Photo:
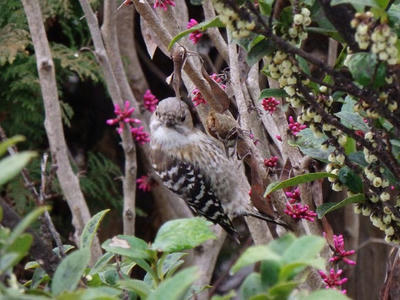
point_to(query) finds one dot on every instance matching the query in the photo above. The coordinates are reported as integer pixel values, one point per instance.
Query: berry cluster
(239, 27)
(271, 162)
(362, 22)
(384, 44)
(301, 20)
(270, 104)
(296, 210)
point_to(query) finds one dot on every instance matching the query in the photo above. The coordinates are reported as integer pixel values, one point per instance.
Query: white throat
(168, 138)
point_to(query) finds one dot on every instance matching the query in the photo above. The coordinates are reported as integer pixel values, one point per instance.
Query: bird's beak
(170, 123)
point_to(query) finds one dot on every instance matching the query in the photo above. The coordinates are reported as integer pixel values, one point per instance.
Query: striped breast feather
(194, 187)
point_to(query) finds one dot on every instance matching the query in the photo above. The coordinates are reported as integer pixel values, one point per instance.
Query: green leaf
(260, 48)
(21, 246)
(215, 22)
(270, 270)
(266, 7)
(350, 179)
(141, 288)
(70, 271)
(129, 246)
(251, 286)
(7, 261)
(101, 263)
(350, 146)
(12, 165)
(182, 234)
(254, 254)
(362, 67)
(272, 187)
(196, 2)
(227, 296)
(24, 224)
(326, 294)
(303, 64)
(174, 288)
(289, 271)
(170, 263)
(325, 208)
(358, 158)
(283, 290)
(10, 142)
(89, 232)
(352, 120)
(281, 244)
(304, 248)
(380, 76)
(266, 93)
(311, 145)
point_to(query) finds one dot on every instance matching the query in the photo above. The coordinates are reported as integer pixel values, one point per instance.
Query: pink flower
(295, 127)
(140, 136)
(271, 162)
(144, 183)
(198, 98)
(150, 101)
(163, 4)
(195, 35)
(299, 211)
(278, 137)
(332, 279)
(339, 252)
(123, 116)
(294, 195)
(270, 104)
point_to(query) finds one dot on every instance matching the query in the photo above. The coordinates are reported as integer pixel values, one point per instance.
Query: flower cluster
(271, 162)
(300, 22)
(362, 22)
(195, 35)
(298, 211)
(198, 98)
(150, 101)
(240, 28)
(163, 4)
(124, 116)
(270, 104)
(384, 44)
(144, 183)
(295, 127)
(339, 253)
(333, 279)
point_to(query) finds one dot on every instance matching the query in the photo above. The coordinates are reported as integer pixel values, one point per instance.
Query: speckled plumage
(194, 165)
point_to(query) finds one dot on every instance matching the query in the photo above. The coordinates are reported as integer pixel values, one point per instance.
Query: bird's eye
(157, 114)
(183, 117)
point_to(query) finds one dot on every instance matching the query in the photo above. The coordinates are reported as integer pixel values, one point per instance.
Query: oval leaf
(10, 142)
(174, 288)
(215, 22)
(140, 287)
(70, 271)
(182, 234)
(266, 93)
(129, 246)
(89, 232)
(12, 165)
(296, 181)
(253, 255)
(350, 179)
(327, 294)
(325, 208)
(303, 248)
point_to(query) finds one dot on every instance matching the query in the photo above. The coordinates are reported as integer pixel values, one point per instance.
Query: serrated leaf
(272, 187)
(215, 22)
(362, 67)
(266, 93)
(70, 271)
(174, 288)
(129, 246)
(325, 208)
(254, 254)
(350, 179)
(12, 165)
(89, 232)
(10, 142)
(141, 288)
(352, 120)
(326, 294)
(182, 234)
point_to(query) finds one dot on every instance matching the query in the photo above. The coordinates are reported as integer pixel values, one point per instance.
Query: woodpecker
(195, 166)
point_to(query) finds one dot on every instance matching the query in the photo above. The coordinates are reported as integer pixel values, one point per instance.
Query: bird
(195, 166)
